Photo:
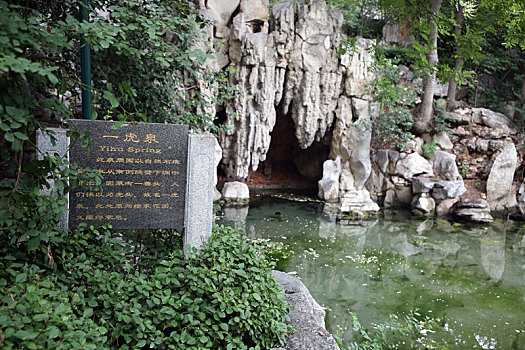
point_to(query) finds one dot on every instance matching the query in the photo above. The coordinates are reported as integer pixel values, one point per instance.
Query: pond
(472, 277)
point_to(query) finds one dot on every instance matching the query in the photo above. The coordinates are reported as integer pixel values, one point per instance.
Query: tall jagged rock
(286, 64)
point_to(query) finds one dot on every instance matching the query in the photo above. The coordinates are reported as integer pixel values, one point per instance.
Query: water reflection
(493, 253)
(472, 277)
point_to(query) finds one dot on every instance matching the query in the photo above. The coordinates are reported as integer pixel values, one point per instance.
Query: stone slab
(144, 175)
(200, 185)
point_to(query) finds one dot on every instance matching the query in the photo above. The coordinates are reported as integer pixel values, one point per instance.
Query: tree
(423, 118)
(452, 85)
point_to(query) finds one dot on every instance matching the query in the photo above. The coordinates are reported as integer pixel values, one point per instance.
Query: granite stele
(155, 176)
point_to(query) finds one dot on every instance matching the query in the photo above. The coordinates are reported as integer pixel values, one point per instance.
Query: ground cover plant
(101, 292)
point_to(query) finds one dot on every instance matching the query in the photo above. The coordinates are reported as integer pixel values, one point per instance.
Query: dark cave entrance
(287, 166)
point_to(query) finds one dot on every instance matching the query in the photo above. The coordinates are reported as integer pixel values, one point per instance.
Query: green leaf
(21, 136)
(87, 312)
(9, 137)
(33, 243)
(21, 277)
(54, 332)
(40, 317)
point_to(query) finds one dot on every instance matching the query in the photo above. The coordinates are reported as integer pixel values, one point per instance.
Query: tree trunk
(423, 120)
(453, 83)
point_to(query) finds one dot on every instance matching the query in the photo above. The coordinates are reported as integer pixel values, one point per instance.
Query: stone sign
(154, 176)
(144, 175)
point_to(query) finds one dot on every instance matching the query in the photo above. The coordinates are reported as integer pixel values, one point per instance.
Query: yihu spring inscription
(144, 175)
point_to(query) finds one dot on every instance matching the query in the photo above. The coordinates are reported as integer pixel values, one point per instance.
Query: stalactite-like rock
(287, 63)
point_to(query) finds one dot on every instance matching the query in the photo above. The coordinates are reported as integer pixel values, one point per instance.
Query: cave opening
(287, 166)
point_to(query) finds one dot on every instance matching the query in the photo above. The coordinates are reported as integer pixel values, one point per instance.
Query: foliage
(393, 124)
(463, 168)
(97, 289)
(409, 331)
(360, 17)
(104, 293)
(429, 148)
(439, 119)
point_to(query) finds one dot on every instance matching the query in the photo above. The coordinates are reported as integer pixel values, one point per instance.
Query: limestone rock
(448, 189)
(445, 207)
(445, 166)
(414, 165)
(255, 10)
(440, 189)
(440, 89)
(386, 160)
(443, 141)
(476, 211)
(500, 194)
(424, 203)
(221, 11)
(287, 65)
(329, 184)
(306, 317)
(403, 196)
(358, 73)
(493, 119)
(422, 184)
(236, 192)
(358, 201)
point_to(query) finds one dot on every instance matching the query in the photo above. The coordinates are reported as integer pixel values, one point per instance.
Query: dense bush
(97, 295)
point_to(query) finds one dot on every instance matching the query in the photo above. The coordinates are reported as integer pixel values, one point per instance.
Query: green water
(472, 277)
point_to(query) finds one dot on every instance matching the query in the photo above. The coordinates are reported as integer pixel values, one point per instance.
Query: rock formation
(500, 194)
(290, 74)
(286, 64)
(306, 316)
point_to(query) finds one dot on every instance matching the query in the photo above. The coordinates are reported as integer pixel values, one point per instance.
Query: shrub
(106, 292)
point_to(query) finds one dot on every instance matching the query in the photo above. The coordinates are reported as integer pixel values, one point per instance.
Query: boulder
(440, 189)
(422, 184)
(386, 160)
(329, 184)
(306, 317)
(448, 189)
(500, 194)
(424, 203)
(358, 201)
(493, 119)
(445, 207)
(414, 165)
(443, 141)
(445, 166)
(403, 196)
(236, 192)
(474, 210)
